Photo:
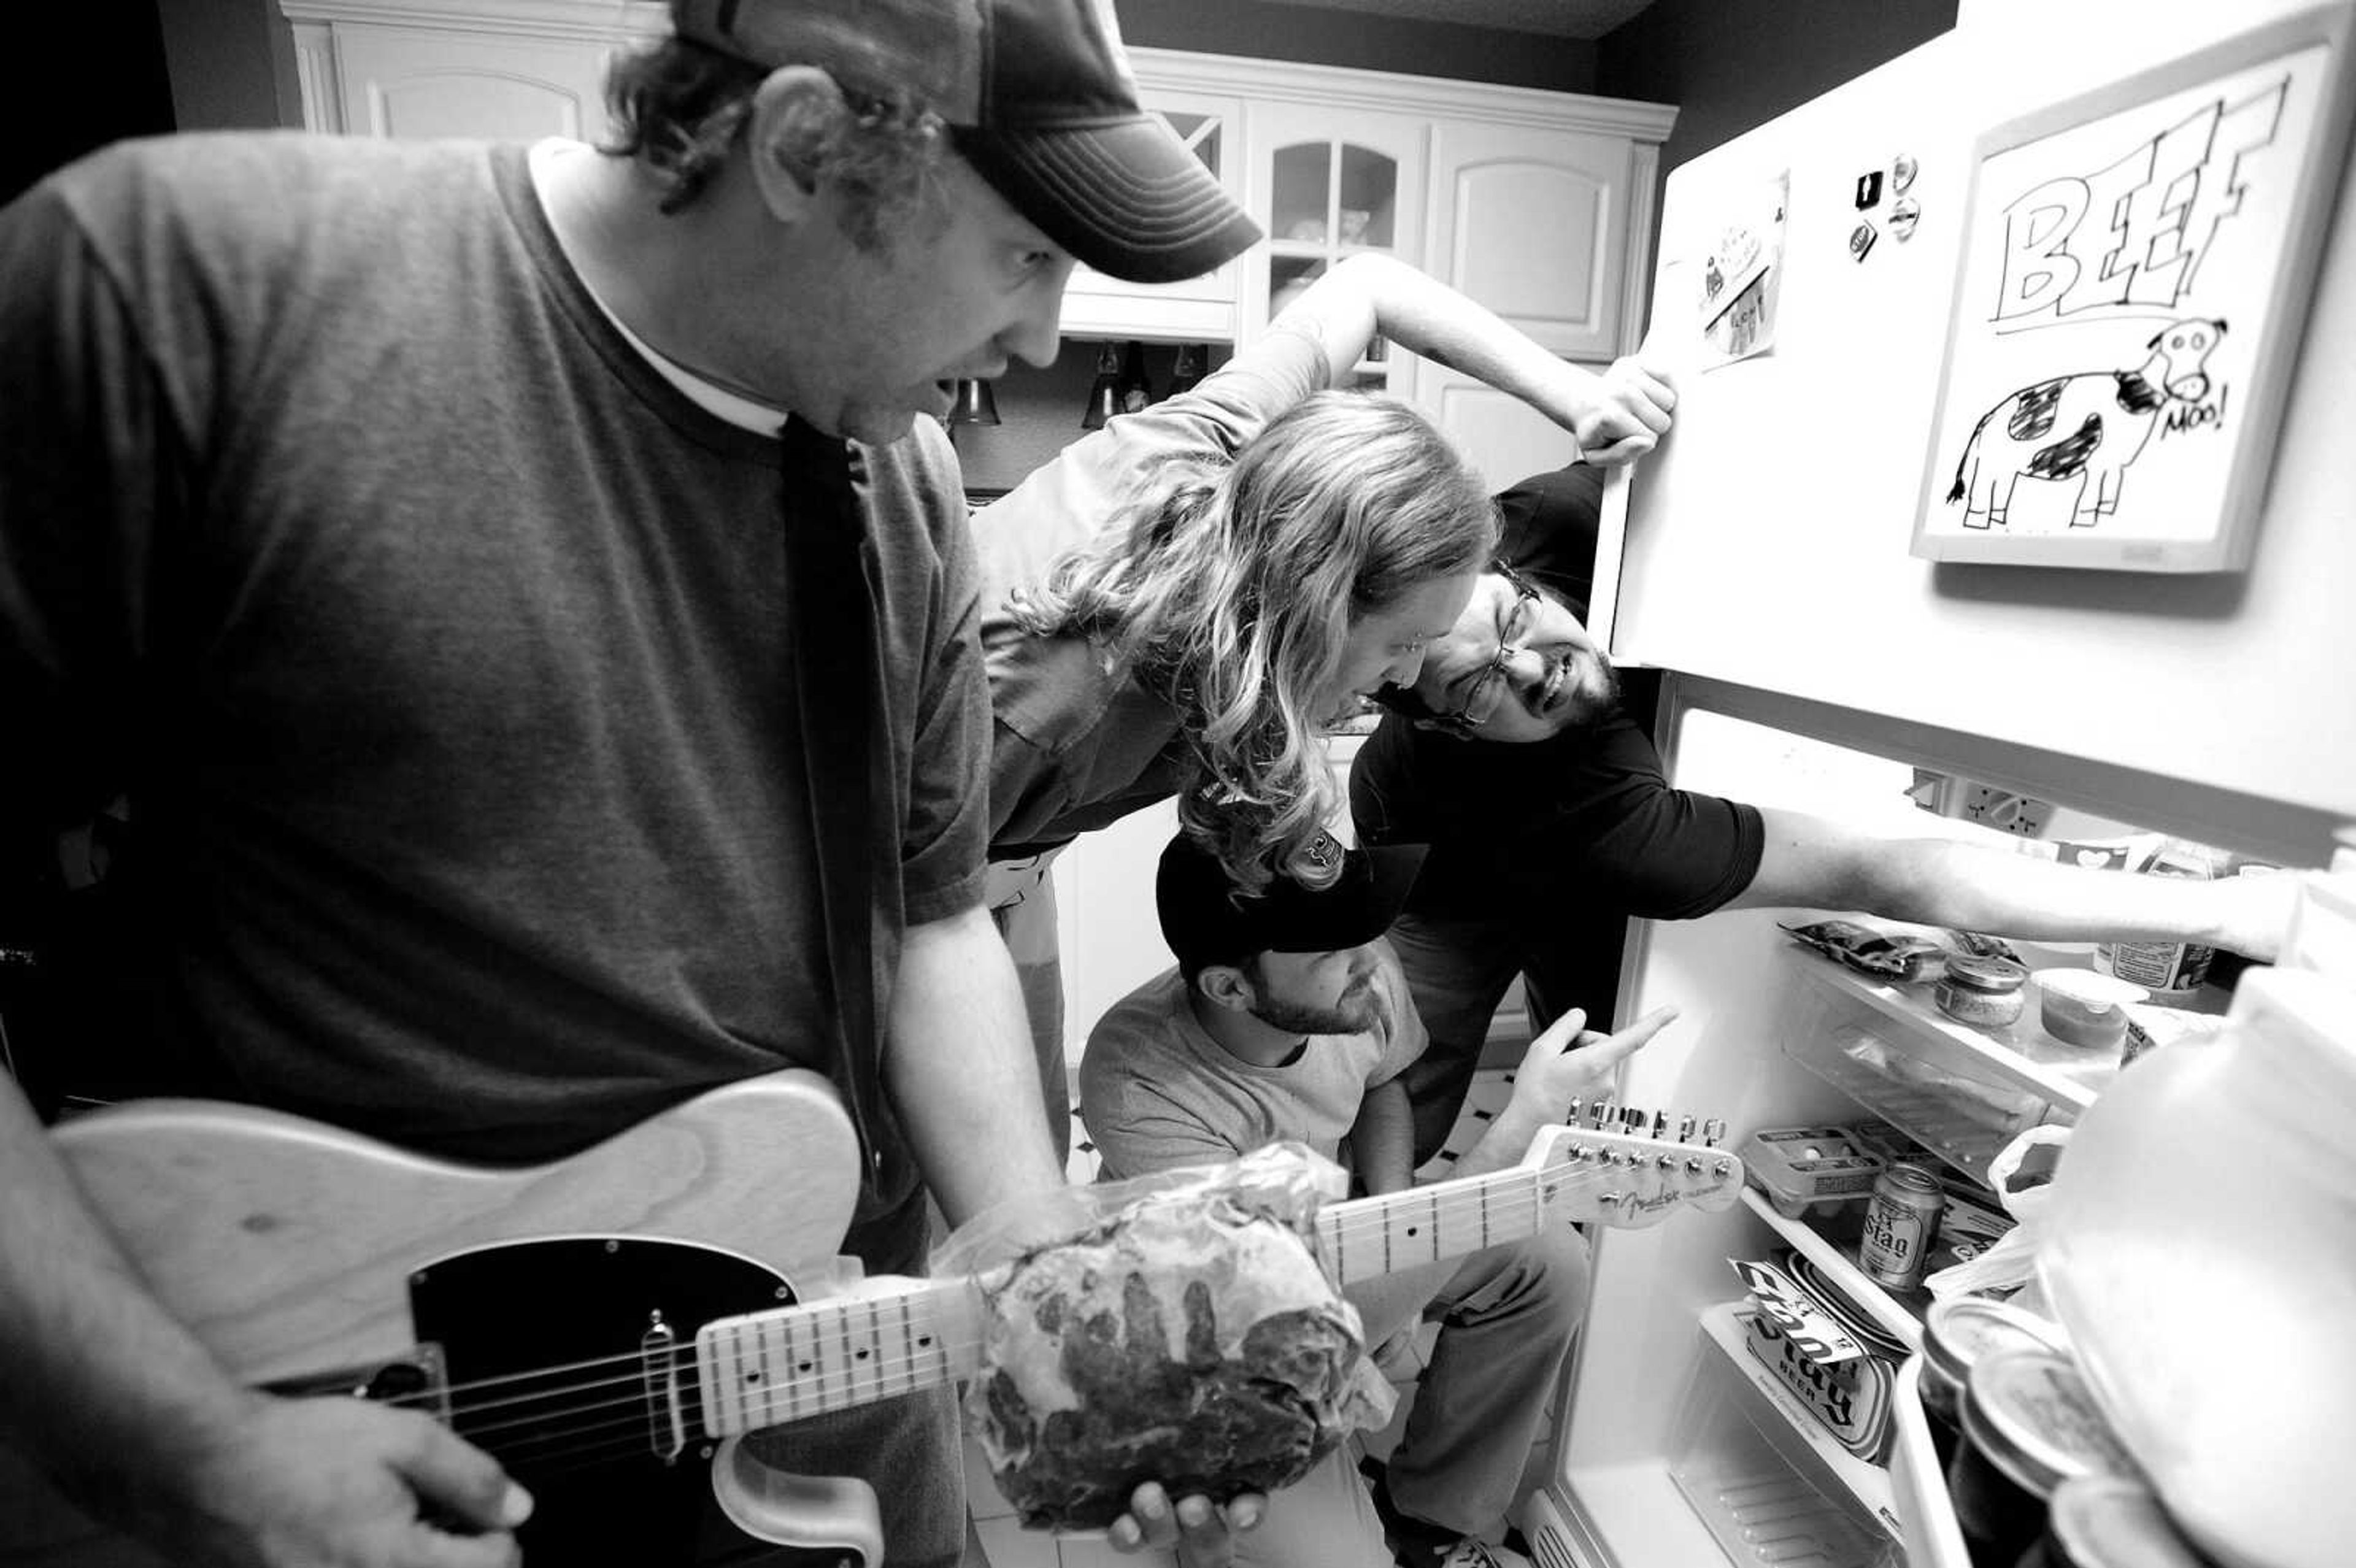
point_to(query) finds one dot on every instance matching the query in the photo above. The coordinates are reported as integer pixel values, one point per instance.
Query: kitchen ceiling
(1561, 18)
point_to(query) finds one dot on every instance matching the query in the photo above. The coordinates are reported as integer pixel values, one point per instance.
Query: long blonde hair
(1230, 590)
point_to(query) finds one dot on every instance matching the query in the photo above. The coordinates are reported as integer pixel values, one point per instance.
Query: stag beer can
(1900, 1222)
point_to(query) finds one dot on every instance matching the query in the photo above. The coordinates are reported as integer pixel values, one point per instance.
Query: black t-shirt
(1582, 824)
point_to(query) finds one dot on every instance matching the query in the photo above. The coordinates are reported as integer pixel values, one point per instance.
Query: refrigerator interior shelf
(1891, 1313)
(1962, 1120)
(2021, 1055)
(1806, 1446)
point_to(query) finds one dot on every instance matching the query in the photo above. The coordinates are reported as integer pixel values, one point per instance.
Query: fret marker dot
(1411, 1230)
(926, 1341)
(862, 1355)
(802, 1367)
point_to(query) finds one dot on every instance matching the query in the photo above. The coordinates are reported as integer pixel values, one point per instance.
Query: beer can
(1900, 1224)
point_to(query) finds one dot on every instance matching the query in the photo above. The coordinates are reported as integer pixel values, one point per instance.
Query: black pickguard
(542, 1343)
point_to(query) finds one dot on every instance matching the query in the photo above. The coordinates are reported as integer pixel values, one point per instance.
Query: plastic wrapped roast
(1184, 1334)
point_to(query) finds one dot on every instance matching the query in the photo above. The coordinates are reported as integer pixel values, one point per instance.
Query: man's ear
(1225, 986)
(796, 111)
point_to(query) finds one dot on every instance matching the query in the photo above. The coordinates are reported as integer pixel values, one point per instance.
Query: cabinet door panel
(1506, 439)
(1533, 223)
(413, 82)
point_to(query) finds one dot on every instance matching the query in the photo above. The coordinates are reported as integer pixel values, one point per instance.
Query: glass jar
(1982, 992)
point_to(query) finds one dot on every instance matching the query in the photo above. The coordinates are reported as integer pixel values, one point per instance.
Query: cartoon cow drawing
(2086, 426)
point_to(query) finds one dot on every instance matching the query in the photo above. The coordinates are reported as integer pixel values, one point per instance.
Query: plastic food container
(2029, 1424)
(2109, 1521)
(2082, 1008)
(1959, 1331)
(1810, 1172)
(1982, 992)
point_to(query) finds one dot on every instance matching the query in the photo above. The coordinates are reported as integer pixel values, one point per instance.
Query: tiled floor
(1007, 1544)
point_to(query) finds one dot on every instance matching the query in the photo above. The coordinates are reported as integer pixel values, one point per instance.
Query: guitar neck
(764, 1369)
(1367, 1237)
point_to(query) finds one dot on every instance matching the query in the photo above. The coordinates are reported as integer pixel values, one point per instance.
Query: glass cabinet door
(1328, 184)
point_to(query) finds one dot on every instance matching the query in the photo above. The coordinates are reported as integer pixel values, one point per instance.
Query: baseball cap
(1039, 101)
(1205, 920)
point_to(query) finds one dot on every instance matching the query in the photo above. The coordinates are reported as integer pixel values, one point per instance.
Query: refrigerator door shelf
(1918, 1481)
(1764, 1474)
(1899, 1317)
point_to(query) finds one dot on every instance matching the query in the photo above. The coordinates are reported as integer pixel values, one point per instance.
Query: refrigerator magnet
(1904, 214)
(1861, 240)
(1868, 190)
(1903, 169)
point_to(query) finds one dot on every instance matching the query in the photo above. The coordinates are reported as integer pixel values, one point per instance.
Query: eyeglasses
(1488, 689)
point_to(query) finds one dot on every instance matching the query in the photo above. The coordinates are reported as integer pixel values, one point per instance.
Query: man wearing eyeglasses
(1552, 822)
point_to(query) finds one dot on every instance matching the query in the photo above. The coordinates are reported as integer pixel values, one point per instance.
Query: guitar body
(318, 1261)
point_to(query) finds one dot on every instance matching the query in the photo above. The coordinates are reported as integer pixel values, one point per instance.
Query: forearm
(101, 1386)
(1966, 887)
(1508, 1137)
(1382, 1140)
(959, 1071)
(1427, 317)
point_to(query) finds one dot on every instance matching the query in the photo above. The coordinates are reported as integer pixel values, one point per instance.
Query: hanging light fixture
(1187, 371)
(1104, 395)
(975, 403)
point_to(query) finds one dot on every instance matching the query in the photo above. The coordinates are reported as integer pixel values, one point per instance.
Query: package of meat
(1179, 1330)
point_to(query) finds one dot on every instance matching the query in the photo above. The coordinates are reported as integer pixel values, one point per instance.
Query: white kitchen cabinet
(1532, 221)
(512, 70)
(420, 82)
(1538, 204)
(1326, 184)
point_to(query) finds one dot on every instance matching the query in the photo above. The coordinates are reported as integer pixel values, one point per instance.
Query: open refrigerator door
(1701, 1427)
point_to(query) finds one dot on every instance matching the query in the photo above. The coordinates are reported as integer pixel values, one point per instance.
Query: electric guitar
(629, 1313)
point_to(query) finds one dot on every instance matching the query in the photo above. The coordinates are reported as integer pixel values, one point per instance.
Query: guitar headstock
(1624, 1168)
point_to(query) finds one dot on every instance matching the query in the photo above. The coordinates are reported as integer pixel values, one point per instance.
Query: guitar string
(1507, 1212)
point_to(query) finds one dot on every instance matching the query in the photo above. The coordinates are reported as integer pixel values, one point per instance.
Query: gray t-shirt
(444, 647)
(1074, 745)
(1156, 1091)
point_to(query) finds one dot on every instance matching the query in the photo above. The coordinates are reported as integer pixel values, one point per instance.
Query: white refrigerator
(1763, 559)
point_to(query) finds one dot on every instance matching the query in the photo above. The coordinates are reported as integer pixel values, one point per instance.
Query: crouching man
(1287, 1018)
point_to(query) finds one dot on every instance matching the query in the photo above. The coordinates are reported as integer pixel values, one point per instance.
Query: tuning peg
(1712, 1130)
(1577, 1105)
(1685, 1128)
(1660, 1125)
(1601, 1111)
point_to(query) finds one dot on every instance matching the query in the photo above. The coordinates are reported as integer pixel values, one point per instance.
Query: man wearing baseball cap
(529, 620)
(1287, 1017)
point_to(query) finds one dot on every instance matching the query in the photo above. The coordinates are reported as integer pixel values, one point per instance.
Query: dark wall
(1317, 34)
(232, 64)
(1731, 67)
(112, 54)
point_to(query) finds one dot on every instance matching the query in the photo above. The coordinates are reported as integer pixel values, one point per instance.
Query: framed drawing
(2132, 298)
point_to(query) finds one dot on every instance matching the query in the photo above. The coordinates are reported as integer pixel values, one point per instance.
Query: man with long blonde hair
(1184, 602)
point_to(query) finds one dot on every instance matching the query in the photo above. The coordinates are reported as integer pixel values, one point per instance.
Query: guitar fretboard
(1371, 1236)
(769, 1368)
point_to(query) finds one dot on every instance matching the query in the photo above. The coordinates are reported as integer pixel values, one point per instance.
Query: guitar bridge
(417, 1379)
